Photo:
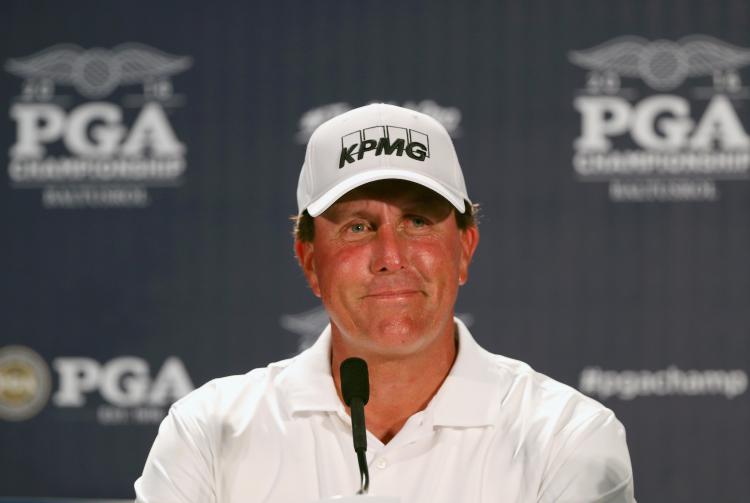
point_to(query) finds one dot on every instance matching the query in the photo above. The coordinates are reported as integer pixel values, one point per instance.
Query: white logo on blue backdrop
(661, 147)
(83, 151)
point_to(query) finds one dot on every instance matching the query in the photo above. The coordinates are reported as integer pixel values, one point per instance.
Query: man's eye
(357, 228)
(418, 221)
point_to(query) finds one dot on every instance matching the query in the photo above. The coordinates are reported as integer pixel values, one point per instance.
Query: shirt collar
(472, 392)
(470, 396)
(307, 382)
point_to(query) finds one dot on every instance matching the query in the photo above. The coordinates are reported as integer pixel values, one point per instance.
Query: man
(385, 237)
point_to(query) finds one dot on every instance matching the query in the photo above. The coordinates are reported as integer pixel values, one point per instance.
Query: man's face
(387, 260)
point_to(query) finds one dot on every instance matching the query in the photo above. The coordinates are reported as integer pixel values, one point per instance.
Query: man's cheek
(435, 262)
(349, 265)
(338, 277)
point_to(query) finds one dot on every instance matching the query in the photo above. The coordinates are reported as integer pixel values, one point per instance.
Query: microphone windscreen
(355, 381)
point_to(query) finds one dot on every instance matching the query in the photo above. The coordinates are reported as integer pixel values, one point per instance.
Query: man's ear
(469, 242)
(305, 252)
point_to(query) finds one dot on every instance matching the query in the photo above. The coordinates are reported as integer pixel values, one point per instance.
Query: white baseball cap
(378, 142)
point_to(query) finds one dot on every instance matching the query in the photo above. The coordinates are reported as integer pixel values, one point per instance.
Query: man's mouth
(393, 294)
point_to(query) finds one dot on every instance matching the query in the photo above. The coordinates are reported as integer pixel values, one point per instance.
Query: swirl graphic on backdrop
(96, 72)
(662, 64)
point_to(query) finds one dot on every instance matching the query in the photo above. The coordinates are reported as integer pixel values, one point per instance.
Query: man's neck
(400, 386)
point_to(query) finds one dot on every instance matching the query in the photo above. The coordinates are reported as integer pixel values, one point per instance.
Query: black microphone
(355, 388)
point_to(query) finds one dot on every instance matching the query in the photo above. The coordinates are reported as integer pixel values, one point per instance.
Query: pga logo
(124, 381)
(660, 122)
(94, 129)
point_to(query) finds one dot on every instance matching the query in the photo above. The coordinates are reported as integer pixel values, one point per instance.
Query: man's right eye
(357, 228)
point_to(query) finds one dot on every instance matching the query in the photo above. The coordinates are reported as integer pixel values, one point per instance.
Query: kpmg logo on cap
(384, 140)
(653, 146)
(83, 151)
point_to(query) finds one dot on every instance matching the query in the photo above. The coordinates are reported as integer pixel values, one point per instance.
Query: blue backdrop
(152, 151)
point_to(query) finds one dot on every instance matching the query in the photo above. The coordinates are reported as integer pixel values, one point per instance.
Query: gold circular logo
(24, 383)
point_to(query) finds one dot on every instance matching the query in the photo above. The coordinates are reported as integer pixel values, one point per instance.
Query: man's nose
(388, 250)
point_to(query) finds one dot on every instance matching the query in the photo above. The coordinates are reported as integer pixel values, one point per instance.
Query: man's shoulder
(585, 454)
(544, 398)
(235, 395)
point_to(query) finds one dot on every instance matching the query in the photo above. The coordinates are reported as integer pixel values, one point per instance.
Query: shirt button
(381, 463)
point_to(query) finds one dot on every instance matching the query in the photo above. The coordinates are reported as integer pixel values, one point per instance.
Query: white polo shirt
(496, 431)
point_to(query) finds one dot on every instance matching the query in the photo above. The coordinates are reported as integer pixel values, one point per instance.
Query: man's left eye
(418, 221)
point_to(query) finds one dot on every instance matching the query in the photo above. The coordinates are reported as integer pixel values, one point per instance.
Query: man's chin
(394, 337)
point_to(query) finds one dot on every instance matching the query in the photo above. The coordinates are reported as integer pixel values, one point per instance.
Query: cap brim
(322, 203)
